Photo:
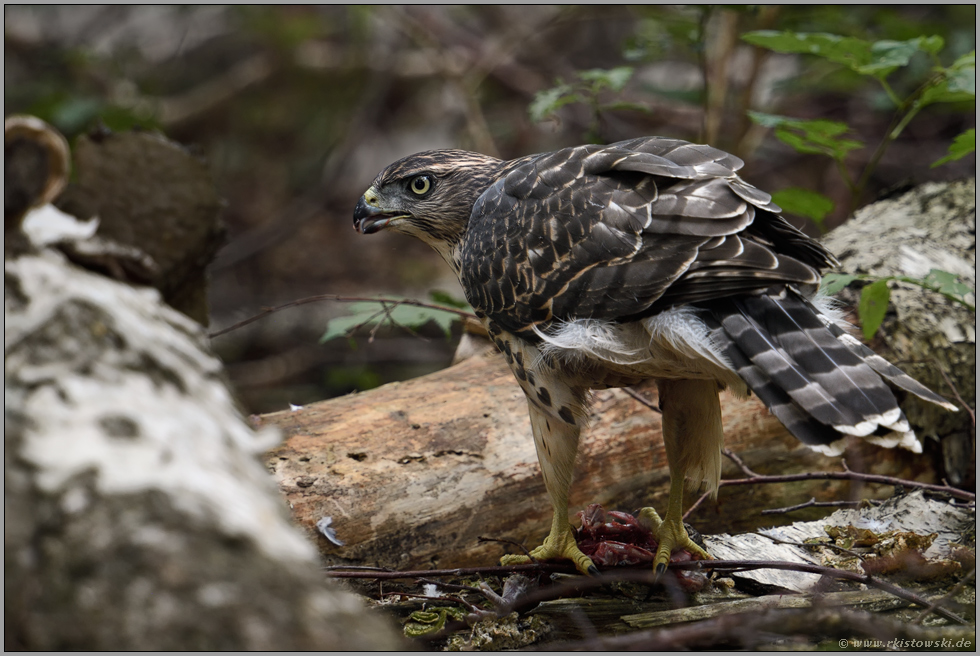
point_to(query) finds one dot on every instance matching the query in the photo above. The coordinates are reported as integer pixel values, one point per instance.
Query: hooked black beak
(368, 219)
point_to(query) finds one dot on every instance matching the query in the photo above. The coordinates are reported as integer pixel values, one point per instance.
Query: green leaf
(931, 44)
(951, 89)
(877, 59)
(804, 203)
(834, 282)
(962, 81)
(612, 78)
(365, 313)
(817, 136)
(368, 314)
(873, 306)
(549, 101)
(946, 283)
(768, 120)
(886, 56)
(962, 146)
(955, 84)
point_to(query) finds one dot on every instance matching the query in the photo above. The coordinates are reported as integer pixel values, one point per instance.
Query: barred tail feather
(886, 369)
(805, 427)
(819, 381)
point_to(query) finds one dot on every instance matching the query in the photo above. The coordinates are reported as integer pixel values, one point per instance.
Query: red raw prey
(615, 538)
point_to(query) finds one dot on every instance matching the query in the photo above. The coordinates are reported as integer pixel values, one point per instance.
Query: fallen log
(411, 474)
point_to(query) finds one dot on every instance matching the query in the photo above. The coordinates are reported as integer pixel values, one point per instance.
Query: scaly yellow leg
(670, 532)
(693, 439)
(556, 441)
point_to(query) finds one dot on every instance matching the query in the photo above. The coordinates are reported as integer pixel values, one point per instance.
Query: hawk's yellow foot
(559, 545)
(670, 532)
(671, 536)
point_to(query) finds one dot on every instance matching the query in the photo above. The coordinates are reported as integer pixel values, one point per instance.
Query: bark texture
(158, 214)
(137, 515)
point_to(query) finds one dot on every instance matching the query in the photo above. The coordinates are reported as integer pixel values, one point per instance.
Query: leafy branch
(589, 87)
(876, 296)
(879, 59)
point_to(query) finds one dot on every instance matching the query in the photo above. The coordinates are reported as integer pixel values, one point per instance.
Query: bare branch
(567, 568)
(813, 503)
(513, 543)
(866, 579)
(641, 399)
(948, 596)
(694, 506)
(807, 546)
(749, 630)
(956, 392)
(755, 478)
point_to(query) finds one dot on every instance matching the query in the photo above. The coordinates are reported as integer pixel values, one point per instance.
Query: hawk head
(429, 195)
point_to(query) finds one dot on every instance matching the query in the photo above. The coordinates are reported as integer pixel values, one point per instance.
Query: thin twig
(807, 546)
(567, 568)
(642, 400)
(695, 505)
(731, 455)
(366, 568)
(910, 108)
(345, 299)
(813, 503)
(866, 579)
(221, 89)
(754, 479)
(751, 630)
(949, 595)
(473, 609)
(956, 392)
(513, 543)
(580, 584)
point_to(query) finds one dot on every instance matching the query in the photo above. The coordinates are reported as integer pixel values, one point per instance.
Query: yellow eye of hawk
(420, 185)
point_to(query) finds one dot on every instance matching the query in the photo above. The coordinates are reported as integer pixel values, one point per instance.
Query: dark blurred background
(297, 108)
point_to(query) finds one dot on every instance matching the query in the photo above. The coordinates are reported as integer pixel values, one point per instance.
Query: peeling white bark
(137, 514)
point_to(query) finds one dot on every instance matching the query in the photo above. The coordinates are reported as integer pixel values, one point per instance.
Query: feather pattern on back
(623, 231)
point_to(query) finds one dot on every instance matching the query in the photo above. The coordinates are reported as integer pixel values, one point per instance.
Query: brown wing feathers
(622, 231)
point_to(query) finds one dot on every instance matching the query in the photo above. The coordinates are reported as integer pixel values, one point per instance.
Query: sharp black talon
(593, 570)
(661, 568)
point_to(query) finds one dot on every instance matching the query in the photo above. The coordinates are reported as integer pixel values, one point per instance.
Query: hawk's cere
(602, 266)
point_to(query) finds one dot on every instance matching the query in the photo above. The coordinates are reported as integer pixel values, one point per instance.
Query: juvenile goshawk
(603, 266)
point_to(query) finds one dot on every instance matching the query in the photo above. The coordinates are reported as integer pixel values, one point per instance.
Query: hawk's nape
(602, 266)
